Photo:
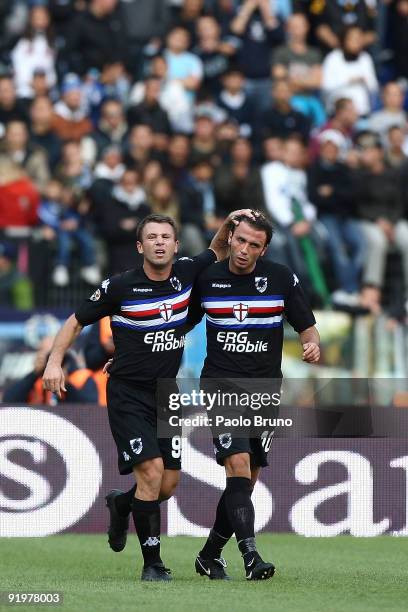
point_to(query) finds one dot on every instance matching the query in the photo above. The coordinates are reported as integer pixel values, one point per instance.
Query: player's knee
(150, 474)
(238, 465)
(169, 485)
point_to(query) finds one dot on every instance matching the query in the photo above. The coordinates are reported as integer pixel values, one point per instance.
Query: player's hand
(248, 212)
(107, 366)
(311, 352)
(54, 379)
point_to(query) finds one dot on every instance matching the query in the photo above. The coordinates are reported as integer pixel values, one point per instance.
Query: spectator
(112, 128)
(238, 182)
(338, 15)
(181, 64)
(282, 120)
(213, 52)
(380, 208)
(259, 32)
(80, 385)
(272, 148)
(140, 147)
(16, 146)
(236, 102)
(110, 167)
(117, 217)
(33, 52)
(343, 121)
(330, 188)
(151, 173)
(15, 288)
(188, 16)
(73, 172)
(399, 37)
(97, 36)
(349, 72)
(174, 99)
(149, 111)
(178, 158)
(59, 213)
(392, 114)
(204, 142)
(110, 83)
(301, 65)
(19, 199)
(395, 154)
(163, 200)
(70, 119)
(42, 133)
(146, 23)
(98, 346)
(10, 108)
(298, 240)
(199, 215)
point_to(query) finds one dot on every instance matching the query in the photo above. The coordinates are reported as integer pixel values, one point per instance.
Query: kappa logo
(175, 283)
(295, 280)
(96, 296)
(240, 311)
(225, 440)
(141, 289)
(136, 445)
(152, 541)
(185, 259)
(221, 285)
(126, 456)
(166, 311)
(261, 283)
(105, 284)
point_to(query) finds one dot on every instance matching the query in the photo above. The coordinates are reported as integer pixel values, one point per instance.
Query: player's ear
(139, 247)
(176, 247)
(263, 251)
(229, 238)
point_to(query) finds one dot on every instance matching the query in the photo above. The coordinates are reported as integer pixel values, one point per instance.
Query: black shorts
(133, 422)
(225, 445)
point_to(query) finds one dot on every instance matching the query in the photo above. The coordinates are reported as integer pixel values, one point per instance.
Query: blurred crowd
(111, 109)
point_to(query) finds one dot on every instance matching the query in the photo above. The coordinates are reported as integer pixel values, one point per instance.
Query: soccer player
(148, 308)
(246, 297)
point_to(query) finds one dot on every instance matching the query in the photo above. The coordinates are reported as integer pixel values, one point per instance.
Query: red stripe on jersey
(154, 311)
(251, 310)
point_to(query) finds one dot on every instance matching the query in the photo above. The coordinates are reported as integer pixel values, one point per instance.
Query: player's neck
(240, 271)
(157, 274)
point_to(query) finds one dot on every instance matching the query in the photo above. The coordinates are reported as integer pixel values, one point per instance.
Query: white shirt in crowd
(354, 79)
(281, 185)
(29, 56)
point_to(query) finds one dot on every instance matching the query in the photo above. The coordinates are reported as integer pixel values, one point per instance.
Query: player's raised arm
(219, 244)
(53, 377)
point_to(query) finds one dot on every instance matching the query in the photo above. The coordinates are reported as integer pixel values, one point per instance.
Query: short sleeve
(195, 265)
(297, 308)
(104, 302)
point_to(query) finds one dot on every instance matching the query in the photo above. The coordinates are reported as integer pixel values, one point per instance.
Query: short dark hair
(155, 219)
(341, 104)
(261, 223)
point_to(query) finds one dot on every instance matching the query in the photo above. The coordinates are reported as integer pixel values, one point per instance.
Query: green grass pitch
(313, 574)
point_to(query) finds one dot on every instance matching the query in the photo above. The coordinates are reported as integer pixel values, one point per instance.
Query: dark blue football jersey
(147, 319)
(244, 318)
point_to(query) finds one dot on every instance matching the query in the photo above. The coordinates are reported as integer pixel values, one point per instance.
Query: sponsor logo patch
(175, 283)
(225, 440)
(136, 445)
(96, 296)
(261, 283)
